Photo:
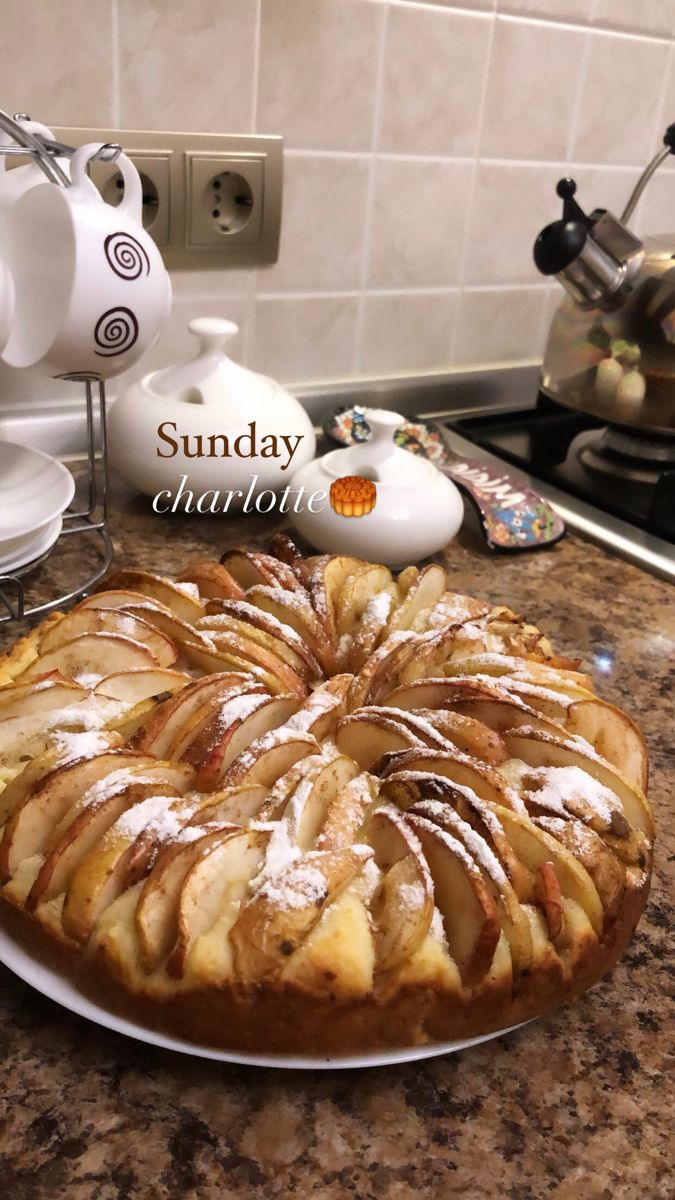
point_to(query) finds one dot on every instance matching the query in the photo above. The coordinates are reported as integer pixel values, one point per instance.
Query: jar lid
(211, 376)
(380, 459)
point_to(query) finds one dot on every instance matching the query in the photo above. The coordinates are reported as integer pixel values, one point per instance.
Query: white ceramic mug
(16, 181)
(91, 292)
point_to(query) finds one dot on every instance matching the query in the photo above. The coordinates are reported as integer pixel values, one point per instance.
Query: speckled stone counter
(572, 1106)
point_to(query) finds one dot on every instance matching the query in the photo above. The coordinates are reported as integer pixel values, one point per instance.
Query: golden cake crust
(314, 809)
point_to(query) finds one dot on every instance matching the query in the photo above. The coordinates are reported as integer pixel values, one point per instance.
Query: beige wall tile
(433, 79)
(407, 332)
(657, 208)
(640, 16)
(619, 99)
(534, 75)
(561, 10)
(297, 340)
(212, 283)
(187, 66)
(418, 223)
(323, 226)
(318, 67)
(499, 326)
(55, 60)
(510, 205)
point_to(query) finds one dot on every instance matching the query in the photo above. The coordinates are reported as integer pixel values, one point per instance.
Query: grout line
(256, 65)
(578, 96)
(370, 193)
(544, 163)
(473, 185)
(355, 293)
(587, 27)
(115, 51)
(439, 6)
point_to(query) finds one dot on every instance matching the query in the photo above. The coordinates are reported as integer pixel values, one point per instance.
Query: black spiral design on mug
(116, 332)
(126, 256)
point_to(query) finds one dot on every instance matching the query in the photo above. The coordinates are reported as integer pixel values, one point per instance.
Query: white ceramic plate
(55, 987)
(34, 489)
(32, 547)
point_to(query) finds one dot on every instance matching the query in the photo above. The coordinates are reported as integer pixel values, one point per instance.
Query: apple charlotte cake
(297, 804)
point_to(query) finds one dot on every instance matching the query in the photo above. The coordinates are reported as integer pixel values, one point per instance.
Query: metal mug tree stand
(93, 518)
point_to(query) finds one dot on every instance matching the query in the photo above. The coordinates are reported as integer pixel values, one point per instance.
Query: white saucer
(34, 490)
(32, 547)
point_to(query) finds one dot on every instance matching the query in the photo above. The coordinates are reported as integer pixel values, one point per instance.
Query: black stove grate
(549, 441)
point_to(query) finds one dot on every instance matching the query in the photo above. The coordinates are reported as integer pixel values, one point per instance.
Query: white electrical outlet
(209, 200)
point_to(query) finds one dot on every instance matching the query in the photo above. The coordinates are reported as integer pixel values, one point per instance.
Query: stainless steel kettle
(611, 347)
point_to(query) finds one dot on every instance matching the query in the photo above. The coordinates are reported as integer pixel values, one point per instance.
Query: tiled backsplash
(423, 142)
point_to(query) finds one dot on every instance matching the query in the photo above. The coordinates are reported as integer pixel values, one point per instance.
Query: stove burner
(628, 456)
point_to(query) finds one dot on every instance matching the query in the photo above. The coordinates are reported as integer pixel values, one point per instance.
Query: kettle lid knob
(561, 242)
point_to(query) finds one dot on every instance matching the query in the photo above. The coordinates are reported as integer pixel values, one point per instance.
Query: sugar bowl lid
(211, 376)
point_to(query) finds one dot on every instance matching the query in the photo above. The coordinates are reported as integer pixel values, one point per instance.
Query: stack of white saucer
(35, 491)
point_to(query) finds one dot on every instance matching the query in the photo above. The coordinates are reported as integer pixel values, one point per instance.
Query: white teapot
(417, 509)
(209, 425)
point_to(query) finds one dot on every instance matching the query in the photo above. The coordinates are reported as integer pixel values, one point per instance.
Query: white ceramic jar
(417, 511)
(209, 425)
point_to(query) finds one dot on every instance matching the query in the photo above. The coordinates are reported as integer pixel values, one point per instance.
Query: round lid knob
(213, 332)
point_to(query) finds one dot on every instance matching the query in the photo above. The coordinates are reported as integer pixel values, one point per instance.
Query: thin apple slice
(605, 869)
(212, 580)
(361, 585)
(432, 652)
(218, 880)
(172, 717)
(252, 651)
(282, 789)
(270, 632)
(403, 905)
(323, 708)
(24, 736)
(426, 590)
(313, 798)
(534, 847)
(123, 856)
(406, 579)
(93, 655)
(134, 686)
(29, 829)
(65, 748)
(460, 769)
(408, 788)
(238, 805)
(367, 735)
(119, 598)
(538, 749)
(214, 661)
(451, 609)
(355, 648)
(442, 691)
(613, 735)
(570, 683)
(269, 757)
(380, 673)
(512, 918)
(183, 599)
(348, 812)
(88, 820)
(250, 567)
(109, 620)
(468, 734)
(294, 609)
(38, 696)
(165, 622)
(235, 725)
(284, 548)
(326, 577)
(280, 915)
(469, 912)
(156, 915)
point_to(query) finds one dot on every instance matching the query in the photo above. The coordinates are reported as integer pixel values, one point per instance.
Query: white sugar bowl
(208, 425)
(417, 510)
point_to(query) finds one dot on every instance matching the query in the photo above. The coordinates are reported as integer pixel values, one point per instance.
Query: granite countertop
(574, 1105)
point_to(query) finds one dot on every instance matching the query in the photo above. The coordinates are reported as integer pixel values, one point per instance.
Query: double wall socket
(209, 200)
